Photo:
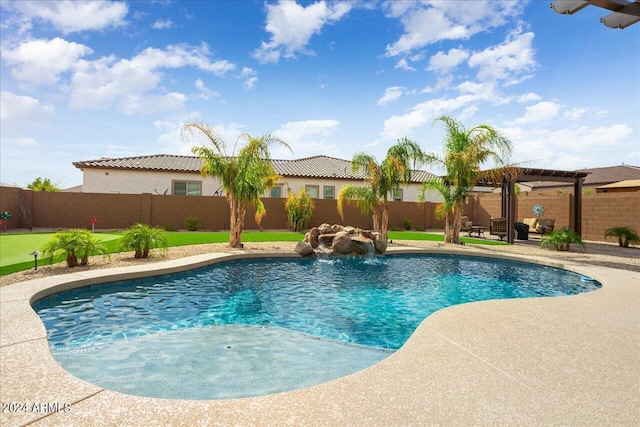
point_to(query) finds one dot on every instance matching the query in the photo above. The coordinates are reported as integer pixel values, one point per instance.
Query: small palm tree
(561, 239)
(625, 235)
(245, 175)
(142, 238)
(91, 246)
(385, 179)
(71, 243)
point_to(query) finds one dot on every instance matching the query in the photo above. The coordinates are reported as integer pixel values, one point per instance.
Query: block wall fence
(119, 211)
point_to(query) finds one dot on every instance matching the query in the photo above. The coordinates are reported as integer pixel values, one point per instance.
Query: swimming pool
(234, 329)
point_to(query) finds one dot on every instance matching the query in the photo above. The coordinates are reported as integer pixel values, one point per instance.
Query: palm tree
(385, 179)
(245, 175)
(465, 151)
(142, 238)
(625, 235)
(71, 243)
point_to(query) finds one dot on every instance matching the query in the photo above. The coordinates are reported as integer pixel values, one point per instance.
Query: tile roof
(309, 167)
(597, 176)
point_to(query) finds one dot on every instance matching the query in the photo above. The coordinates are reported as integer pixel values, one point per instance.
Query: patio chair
(466, 224)
(498, 227)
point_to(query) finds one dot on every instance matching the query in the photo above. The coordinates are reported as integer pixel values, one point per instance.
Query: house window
(397, 196)
(186, 188)
(312, 191)
(329, 191)
(276, 192)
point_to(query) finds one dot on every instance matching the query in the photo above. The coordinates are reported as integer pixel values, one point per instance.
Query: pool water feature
(253, 327)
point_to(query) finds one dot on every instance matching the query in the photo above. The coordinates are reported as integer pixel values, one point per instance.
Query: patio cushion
(531, 222)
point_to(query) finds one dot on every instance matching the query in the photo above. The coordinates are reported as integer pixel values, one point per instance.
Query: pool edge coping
(38, 288)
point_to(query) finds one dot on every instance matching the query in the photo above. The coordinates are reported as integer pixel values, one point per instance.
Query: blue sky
(84, 80)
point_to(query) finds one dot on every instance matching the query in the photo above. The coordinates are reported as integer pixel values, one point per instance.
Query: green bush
(192, 223)
(168, 228)
(299, 210)
(406, 223)
(561, 239)
(625, 235)
(76, 244)
(142, 238)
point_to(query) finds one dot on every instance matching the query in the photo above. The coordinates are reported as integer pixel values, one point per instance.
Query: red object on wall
(93, 220)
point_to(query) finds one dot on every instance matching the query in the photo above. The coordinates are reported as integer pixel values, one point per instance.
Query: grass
(418, 235)
(15, 248)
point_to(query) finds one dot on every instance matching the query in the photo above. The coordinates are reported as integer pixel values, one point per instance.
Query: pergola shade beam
(623, 14)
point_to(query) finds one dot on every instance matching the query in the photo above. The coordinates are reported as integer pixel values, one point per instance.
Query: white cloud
(509, 62)
(292, 25)
(149, 104)
(431, 21)
(40, 62)
(163, 24)
(391, 94)
(249, 76)
(205, 92)
(21, 144)
(403, 64)
(18, 113)
(443, 62)
(529, 97)
(542, 111)
(574, 113)
(564, 148)
(306, 138)
(75, 16)
(101, 83)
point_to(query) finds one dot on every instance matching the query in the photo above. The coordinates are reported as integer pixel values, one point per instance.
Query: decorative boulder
(304, 248)
(313, 237)
(342, 244)
(324, 229)
(349, 229)
(380, 243)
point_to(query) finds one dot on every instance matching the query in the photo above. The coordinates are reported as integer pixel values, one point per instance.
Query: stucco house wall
(118, 181)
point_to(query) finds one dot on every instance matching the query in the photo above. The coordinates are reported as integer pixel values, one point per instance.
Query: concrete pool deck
(572, 360)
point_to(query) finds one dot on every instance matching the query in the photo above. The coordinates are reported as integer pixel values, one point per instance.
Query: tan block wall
(603, 210)
(118, 211)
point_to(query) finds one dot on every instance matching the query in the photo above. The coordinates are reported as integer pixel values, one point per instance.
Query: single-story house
(597, 177)
(321, 176)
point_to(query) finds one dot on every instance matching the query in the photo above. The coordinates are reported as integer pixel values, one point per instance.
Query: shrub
(169, 228)
(299, 210)
(76, 244)
(192, 223)
(406, 223)
(142, 238)
(625, 235)
(561, 239)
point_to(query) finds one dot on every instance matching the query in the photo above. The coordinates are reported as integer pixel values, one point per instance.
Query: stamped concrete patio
(571, 360)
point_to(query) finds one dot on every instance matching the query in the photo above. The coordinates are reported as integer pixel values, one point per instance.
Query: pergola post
(577, 206)
(511, 211)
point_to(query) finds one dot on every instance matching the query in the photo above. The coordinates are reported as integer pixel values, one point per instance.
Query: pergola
(508, 184)
(623, 13)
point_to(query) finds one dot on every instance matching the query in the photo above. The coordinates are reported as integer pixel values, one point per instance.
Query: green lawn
(15, 248)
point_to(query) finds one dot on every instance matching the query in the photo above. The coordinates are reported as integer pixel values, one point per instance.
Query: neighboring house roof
(597, 176)
(629, 183)
(309, 167)
(74, 189)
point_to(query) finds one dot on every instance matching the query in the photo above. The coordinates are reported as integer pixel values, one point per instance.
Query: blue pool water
(251, 327)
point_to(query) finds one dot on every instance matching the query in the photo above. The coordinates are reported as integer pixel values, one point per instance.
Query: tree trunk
(447, 227)
(237, 221)
(72, 260)
(456, 226)
(385, 221)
